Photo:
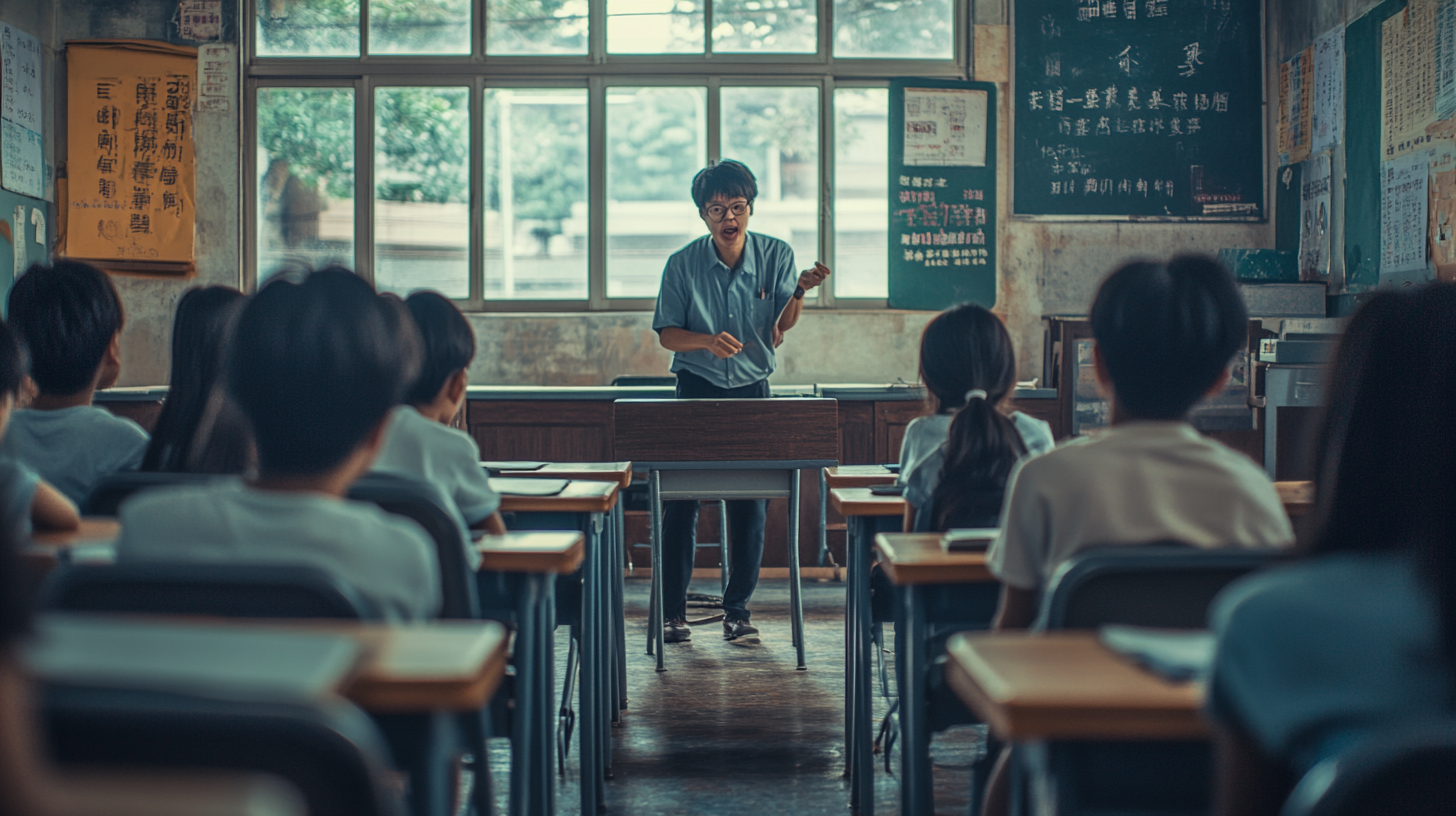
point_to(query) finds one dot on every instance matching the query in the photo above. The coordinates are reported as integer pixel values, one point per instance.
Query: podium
(720, 450)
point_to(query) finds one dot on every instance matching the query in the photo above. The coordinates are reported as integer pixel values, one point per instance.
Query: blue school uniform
(72, 448)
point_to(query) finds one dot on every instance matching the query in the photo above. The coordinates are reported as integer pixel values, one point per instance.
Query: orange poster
(131, 165)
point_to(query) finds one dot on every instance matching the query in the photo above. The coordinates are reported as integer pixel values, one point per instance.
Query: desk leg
(796, 591)
(823, 518)
(722, 548)
(915, 783)
(655, 619)
(606, 665)
(591, 656)
(525, 731)
(849, 703)
(619, 606)
(546, 698)
(864, 778)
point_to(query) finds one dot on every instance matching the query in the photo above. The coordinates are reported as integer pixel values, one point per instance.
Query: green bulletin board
(942, 193)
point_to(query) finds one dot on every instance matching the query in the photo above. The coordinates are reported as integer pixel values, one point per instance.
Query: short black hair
(12, 361)
(448, 343)
(1167, 331)
(317, 364)
(66, 314)
(727, 178)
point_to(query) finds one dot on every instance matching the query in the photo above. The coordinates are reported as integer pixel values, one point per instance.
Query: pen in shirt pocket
(762, 294)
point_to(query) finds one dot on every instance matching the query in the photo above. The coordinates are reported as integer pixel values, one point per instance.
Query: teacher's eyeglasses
(718, 212)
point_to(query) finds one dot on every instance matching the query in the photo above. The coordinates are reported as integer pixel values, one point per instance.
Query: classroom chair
(222, 590)
(1166, 585)
(108, 494)
(329, 749)
(1403, 771)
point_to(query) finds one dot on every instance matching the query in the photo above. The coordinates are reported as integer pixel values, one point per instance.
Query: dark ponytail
(968, 365)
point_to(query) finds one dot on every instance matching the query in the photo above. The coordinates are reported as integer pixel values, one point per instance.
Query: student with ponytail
(954, 463)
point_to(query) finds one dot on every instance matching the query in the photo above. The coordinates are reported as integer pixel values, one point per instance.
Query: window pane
(911, 29)
(861, 192)
(308, 28)
(422, 190)
(536, 211)
(527, 27)
(655, 26)
(765, 26)
(656, 142)
(306, 190)
(419, 26)
(775, 131)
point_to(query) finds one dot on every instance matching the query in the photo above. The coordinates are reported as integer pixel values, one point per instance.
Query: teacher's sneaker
(676, 631)
(740, 630)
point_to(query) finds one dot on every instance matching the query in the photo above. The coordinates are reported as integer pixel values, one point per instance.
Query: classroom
(399, 416)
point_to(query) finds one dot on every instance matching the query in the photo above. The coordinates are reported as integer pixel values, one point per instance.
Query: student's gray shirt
(72, 448)
(922, 455)
(389, 559)
(1314, 658)
(17, 494)
(701, 294)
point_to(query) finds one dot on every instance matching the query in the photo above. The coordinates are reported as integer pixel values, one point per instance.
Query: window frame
(596, 71)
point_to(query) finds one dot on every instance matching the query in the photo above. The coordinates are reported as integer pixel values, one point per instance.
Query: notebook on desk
(497, 467)
(1173, 654)
(527, 487)
(976, 539)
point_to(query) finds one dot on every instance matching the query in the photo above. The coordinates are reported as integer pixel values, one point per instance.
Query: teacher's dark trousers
(680, 525)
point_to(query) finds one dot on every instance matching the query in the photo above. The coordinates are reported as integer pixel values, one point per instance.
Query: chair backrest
(111, 491)
(1164, 584)
(330, 750)
(628, 379)
(1404, 771)
(423, 503)
(222, 590)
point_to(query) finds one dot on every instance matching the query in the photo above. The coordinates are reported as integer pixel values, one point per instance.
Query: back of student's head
(201, 333)
(316, 365)
(448, 344)
(968, 365)
(66, 314)
(12, 362)
(1167, 332)
(1384, 479)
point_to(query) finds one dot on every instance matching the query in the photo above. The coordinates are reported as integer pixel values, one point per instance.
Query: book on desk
(976, 539)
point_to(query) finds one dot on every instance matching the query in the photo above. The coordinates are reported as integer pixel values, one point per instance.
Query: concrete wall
(150, 301)
(1045, 268)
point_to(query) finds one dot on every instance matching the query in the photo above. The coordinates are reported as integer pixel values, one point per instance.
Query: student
(419, 441)
(1314, 658)
(197, 432)
(318, 365)
(1165, 334)
(954, 463)
(25, 500)
(69, 317)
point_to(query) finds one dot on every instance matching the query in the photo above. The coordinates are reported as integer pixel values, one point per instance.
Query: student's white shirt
(72, 448)
(1138, 483)
(922, 453)
(447, 457)
(389, 559)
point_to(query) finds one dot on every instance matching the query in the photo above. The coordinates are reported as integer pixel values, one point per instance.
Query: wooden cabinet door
(542, 430)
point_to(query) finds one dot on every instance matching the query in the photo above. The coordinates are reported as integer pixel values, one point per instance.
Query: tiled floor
(736, 729)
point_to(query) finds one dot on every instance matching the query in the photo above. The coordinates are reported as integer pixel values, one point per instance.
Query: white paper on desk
(527, 487)
(1173, 654)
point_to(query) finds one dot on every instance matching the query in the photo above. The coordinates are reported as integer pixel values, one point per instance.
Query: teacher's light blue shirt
(701, 294)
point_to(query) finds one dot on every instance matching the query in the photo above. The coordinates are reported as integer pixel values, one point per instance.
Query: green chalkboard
(942, 193)
(1139, 108)
(1362, 146)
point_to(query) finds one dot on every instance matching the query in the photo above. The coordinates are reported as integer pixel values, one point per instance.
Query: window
(538, 154)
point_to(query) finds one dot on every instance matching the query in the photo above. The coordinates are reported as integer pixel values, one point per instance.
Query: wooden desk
(921, 568)
(93, 530)
(1297, 497)
(857, 476)
(619, 472)
(1068, 686)
(578, 497)
(862, 511)
(552, 553)
(919, 558)
(450, 665)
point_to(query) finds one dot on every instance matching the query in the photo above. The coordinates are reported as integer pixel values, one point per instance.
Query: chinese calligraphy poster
(131, 165)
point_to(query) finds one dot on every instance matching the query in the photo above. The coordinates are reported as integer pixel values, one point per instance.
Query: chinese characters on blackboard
(937, 231)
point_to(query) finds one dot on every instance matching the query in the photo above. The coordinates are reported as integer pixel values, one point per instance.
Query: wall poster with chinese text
(131, 164)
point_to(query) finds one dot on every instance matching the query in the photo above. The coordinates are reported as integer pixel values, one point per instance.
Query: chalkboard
(942, 193)
(1139, 108)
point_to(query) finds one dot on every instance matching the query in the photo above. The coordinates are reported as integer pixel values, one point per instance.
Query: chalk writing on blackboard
(945, 127)
(938, 225)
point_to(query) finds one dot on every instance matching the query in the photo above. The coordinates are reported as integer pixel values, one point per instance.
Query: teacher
(726, 301)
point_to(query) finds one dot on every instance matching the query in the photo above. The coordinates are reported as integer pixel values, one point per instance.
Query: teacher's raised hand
(811, 278)
(724, 345)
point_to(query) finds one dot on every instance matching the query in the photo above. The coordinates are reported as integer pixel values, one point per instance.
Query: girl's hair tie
(974, 394)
